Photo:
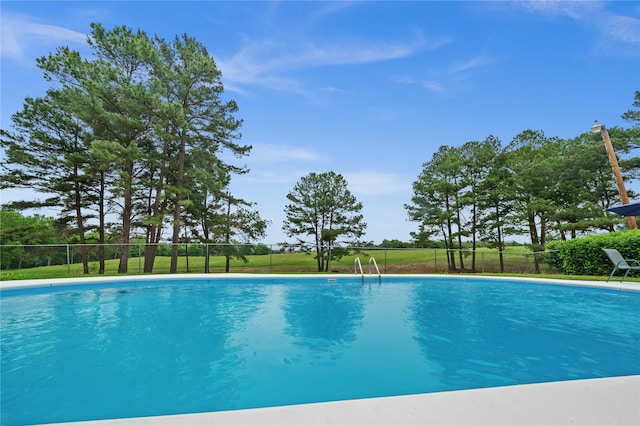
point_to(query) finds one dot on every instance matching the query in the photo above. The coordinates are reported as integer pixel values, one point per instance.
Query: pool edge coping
(54, 282)
(611, 400)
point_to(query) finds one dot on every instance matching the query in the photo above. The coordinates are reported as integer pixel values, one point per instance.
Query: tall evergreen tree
(196, 117)
(113, 98)
(585, 188)
(496, 202)
(533, 159)
(627, 143)
(321, 206)
(477, 160)
(150, 106)
(46, 152)
(437, 200)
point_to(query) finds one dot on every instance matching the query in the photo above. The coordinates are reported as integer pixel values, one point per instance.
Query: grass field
(390, 261)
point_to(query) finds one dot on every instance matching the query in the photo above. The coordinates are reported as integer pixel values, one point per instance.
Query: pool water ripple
(145, 349)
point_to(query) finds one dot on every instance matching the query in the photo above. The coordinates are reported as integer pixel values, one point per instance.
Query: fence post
(385, 260)
(482, 262)
(139, 259)
(270, 256)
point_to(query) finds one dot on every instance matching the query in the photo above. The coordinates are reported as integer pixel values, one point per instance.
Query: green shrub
(552, 256)
(584, 256)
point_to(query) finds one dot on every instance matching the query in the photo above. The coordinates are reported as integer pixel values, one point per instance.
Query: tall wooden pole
(613, 160)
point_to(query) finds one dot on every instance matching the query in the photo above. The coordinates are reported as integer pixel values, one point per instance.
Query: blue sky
(366, 89)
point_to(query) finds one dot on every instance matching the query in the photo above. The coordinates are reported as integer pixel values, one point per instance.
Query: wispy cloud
(470, 64)
(446, 74)
(268, 177)
(21, 36)
(572, 9)
(332, 7)
(270, 153)
(364, 183)
(428, 85)
(623, 28)
(371, 183)
(613, 27)
(276, 164)
(433, 86)
(272, 63)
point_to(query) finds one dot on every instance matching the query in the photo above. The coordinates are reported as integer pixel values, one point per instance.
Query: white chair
(621, 263)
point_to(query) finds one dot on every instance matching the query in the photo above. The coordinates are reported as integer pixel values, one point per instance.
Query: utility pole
(613, 160)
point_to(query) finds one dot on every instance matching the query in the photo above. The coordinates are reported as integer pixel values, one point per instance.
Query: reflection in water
(303, 349)
(96, 343)
(325, 318)
(485, 334)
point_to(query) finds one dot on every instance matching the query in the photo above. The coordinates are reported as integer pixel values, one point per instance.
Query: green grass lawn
(517, 262)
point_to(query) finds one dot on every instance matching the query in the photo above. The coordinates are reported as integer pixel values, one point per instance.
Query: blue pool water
(168, 347)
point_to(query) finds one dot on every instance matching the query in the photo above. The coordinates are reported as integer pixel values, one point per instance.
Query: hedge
(584, 256)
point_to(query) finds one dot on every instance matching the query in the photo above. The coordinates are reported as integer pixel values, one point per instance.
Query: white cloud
(332, 7)
(572, 9)
(361, 183)
(268, 63)
(21, 35)
(273, 164)
(429, 85)
(370, 183)
(472, 63)
(614, 27)
(445, 72)
(266, 177)
(270, 153)
(623, 28)
(433, 86)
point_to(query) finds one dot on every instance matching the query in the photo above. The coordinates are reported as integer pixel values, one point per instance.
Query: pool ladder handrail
(373, 260)
(358, 266)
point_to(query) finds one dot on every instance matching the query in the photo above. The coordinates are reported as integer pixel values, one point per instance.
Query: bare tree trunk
(535, 241)
(500, 243)
(206, 258)
(101, 226)
(157, 212)
(80, 221)
(175, 239)
(460, 254)
(473, 237)
(127, 218)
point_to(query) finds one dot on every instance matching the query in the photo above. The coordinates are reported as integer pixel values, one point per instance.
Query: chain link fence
(40, 261)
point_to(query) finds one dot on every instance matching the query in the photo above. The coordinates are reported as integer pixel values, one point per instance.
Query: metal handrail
(372, 259)
(358, 266)
(357, 263)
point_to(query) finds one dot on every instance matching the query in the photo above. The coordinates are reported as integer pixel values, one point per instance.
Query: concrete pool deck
(606, 401)
(597, 402)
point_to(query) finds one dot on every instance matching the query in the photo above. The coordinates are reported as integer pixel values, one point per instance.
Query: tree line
(134, 130)
(535, 185)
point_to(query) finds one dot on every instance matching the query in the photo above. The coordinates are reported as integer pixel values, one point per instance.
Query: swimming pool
(153, 347)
